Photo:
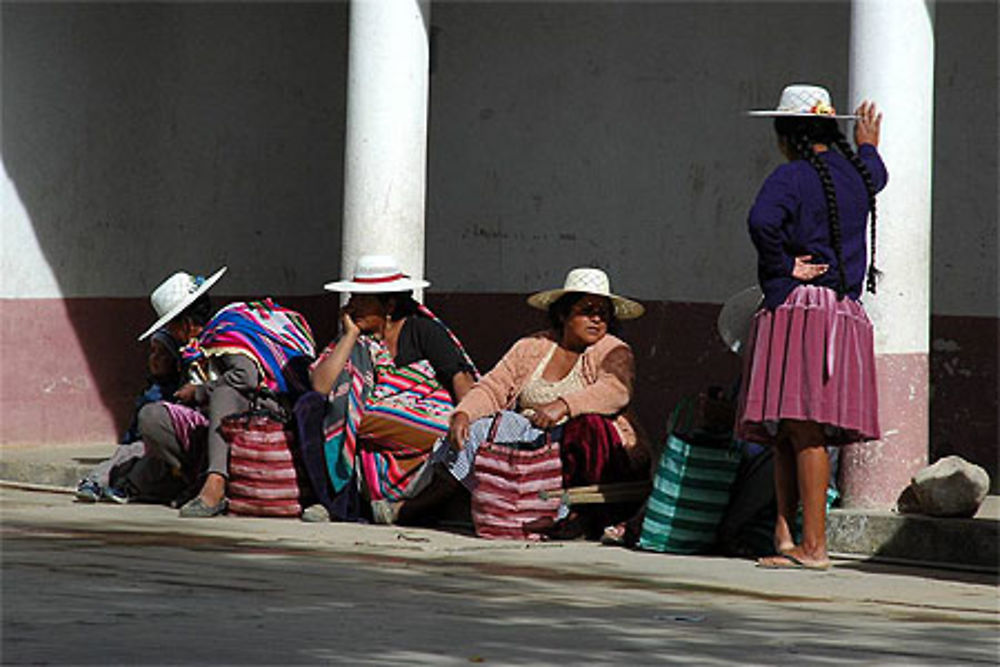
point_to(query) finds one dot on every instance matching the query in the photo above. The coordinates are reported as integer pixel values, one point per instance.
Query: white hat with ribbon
(377, 274)
(588, 281)
(177, 293)
(802, 100)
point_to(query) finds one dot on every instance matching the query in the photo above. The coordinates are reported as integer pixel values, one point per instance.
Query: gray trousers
(209, 451)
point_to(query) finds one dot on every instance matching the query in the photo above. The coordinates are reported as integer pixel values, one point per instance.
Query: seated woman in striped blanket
(243, 348)
(383, 395)
(574, 381)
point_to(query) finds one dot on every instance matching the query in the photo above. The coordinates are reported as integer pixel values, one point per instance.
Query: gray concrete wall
(139, 137)
(611, 134)
(964, 243)
(143, 137)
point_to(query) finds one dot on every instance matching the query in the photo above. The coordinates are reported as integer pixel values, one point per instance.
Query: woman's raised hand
(186, 394)
(805, 271)
(351, 327)
(458, 430)
(868, 124)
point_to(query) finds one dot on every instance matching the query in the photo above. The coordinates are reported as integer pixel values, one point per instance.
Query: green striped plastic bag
(690, 492)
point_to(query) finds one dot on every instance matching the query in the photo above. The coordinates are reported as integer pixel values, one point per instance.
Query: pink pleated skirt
(811, 359)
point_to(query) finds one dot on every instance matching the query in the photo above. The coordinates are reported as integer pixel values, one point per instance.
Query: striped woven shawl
(278, 339)
(411, 396)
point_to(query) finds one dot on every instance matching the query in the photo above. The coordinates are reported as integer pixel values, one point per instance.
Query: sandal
(384, 512)
(197, 509)
(787, 561)
(572, 527)
(624, 534)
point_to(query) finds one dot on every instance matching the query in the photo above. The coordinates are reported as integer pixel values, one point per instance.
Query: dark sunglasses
(592, 309)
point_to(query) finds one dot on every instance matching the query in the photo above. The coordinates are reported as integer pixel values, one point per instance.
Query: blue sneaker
(119, 496)
(88, 491)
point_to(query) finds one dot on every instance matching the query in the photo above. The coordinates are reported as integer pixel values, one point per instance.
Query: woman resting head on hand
(382, 395)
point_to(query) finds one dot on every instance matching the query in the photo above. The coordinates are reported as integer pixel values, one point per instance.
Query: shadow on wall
(147, 138)
(676, 346)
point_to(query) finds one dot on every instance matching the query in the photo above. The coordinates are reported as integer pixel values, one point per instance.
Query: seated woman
(383, 394)
(230, 357)
(576, 377)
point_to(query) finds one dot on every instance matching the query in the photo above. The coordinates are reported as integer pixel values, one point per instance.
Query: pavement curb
(948, 542)
(878, 535)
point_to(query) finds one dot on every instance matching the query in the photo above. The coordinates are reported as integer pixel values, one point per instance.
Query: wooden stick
(600, 493)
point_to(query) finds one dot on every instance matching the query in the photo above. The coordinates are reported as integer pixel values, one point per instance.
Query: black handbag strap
(494, 426)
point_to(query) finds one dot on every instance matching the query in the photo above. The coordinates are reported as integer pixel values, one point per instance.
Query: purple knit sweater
(789, 218)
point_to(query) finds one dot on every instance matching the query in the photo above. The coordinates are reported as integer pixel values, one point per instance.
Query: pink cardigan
(607, 393)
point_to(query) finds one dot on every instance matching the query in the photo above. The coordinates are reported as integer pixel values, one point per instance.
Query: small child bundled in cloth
(118, 478)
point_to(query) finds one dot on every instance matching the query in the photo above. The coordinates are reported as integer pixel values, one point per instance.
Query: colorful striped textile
(278, 339)
(382, 421)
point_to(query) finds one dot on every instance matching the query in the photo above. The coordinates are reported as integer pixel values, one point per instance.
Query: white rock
(950, 487)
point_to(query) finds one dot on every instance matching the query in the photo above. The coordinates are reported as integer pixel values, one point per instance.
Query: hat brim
(188, 300)
(398, 285)
(736, 317)
(625, 309)
(773, 113)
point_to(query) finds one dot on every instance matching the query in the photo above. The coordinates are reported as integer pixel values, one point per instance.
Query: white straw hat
(377, 274)
(588, 281)
(802, 100)
(737, 315)
(177, 293)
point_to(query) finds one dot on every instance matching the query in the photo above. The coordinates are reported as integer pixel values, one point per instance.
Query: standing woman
(809, 375)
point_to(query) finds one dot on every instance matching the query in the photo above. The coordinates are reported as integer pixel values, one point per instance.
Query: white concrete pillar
(385, 162)
(892, 63)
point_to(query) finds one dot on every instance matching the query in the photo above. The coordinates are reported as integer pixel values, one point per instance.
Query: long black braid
(802, 134)
(845, 147)
(804, 147)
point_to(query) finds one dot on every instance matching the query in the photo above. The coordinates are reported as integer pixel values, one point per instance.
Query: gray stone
(951, 487)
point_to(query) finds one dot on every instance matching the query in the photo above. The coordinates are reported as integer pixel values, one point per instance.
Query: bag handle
(257, 397)
(685, 405)
(494, 426)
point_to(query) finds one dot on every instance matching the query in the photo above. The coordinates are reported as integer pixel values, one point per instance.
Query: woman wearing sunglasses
(577, 376)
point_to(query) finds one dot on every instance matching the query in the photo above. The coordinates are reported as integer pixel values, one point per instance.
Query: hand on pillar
(868, 124)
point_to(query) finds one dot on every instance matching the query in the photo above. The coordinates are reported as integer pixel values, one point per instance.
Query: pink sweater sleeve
(610, 369)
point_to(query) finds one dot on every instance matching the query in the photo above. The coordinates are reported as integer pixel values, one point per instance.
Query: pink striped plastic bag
(509, 479)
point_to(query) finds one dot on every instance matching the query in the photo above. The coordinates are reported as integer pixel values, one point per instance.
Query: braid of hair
(804, 147)
(845, 147)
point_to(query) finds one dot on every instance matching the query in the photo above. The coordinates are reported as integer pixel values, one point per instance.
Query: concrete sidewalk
(912, 592)
(966, 544)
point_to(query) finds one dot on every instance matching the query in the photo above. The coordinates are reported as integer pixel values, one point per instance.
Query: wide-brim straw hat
(177, 293)
(377, 274)
(588, 281)
(736, 317)
(802, 100)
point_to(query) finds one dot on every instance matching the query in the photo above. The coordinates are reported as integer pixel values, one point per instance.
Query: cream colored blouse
(539, 391)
